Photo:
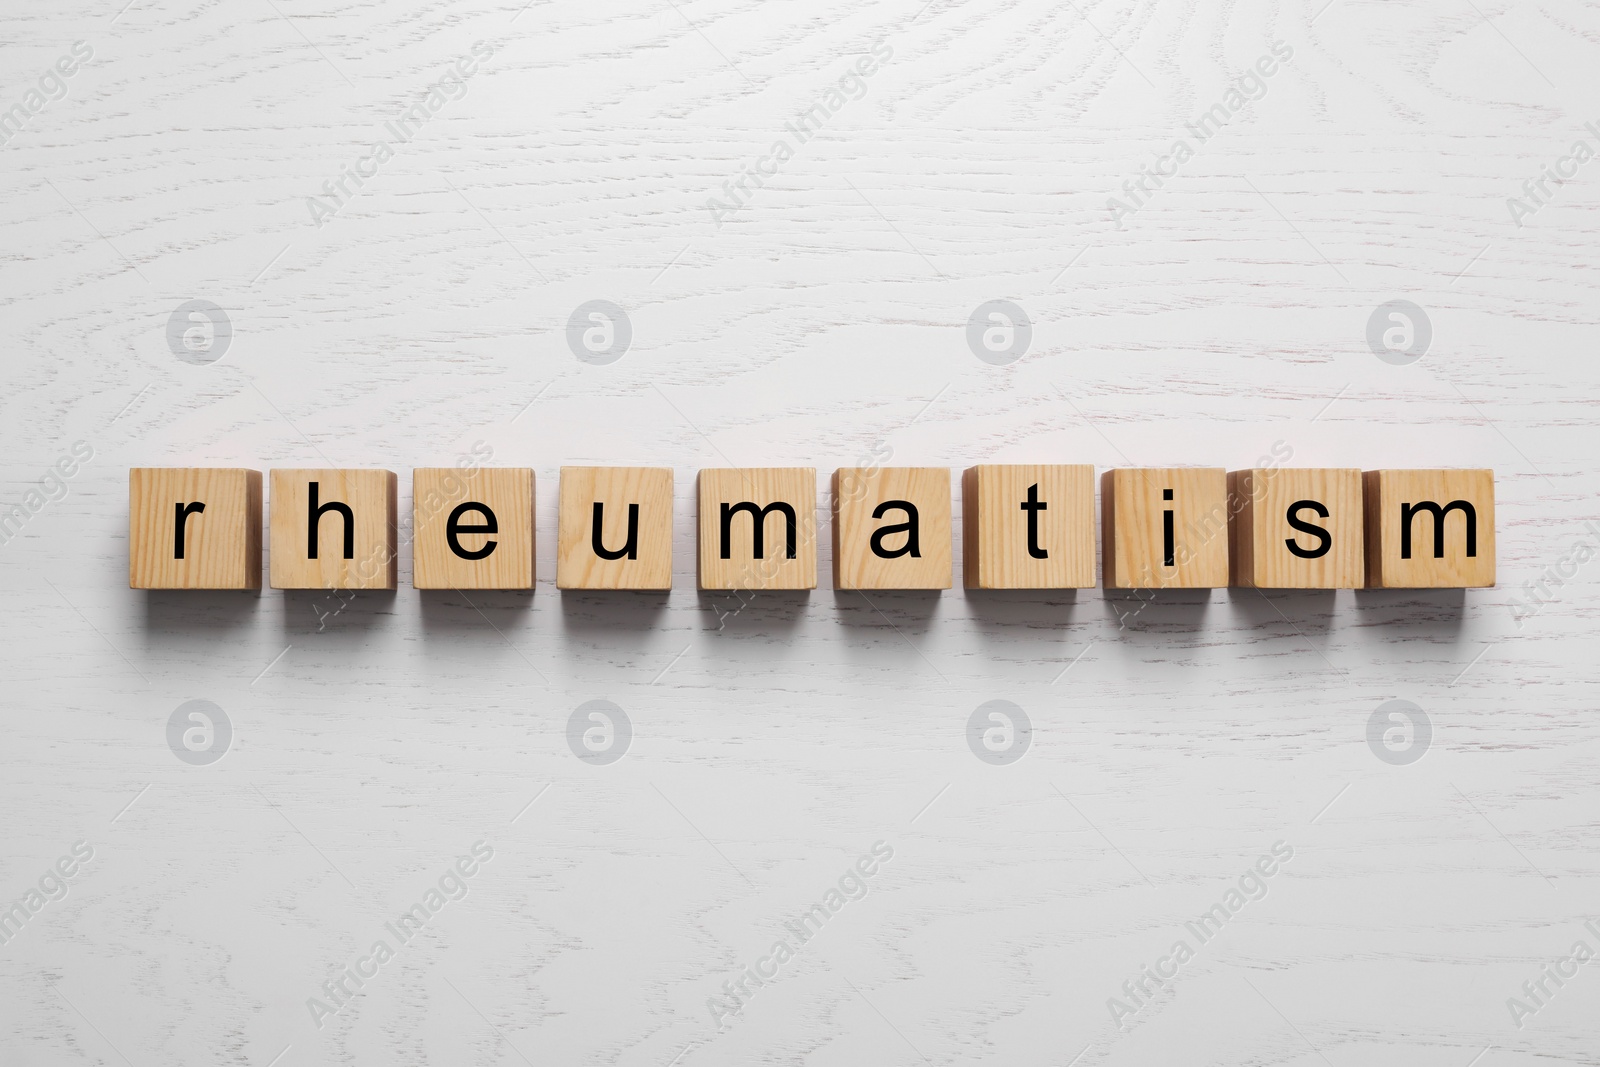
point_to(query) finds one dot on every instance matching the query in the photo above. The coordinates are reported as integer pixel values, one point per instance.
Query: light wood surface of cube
(649, 566)
(1437, 558)
(1132, 514)
(221, 542)
(446, 499)
(766, 488)
(1261, 555)
(857, 493)
(996, 549)
(370, 496)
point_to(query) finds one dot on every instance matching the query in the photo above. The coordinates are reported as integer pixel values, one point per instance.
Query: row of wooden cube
(1026, 527)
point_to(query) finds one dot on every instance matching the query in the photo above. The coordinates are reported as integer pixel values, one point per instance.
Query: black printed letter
(1408, 512)
(453, 528)
(184, 511)
(1033, 505)
(1168, 555)
(630, 547)
(909, 526)
(759, 517)
(1324, 538)
(314, 517)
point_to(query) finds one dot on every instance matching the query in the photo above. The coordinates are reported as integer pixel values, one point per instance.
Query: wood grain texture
(356, 546)
(1430, 529)
(221, 539)
(1174, 737)
(621, 510)
(996, 546)
(507, 493)
(1260, 503)
(1136, 506)
(772, 567)
(891, 528)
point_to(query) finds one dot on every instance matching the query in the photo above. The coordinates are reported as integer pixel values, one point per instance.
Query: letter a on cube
(614, 528)
(891, 528)
(333, 529)
(194, 528)
(473, 528)
(758, 528)
(1430, 529)
(1028, 526)
(1164, 527)
(1296, 528)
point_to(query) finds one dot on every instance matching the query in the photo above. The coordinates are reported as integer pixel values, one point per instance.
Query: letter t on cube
(1028, 526)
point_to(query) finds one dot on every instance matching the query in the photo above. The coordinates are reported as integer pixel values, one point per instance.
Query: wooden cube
(1027, 526)
(758, 528)
(891, 528)
(194, 528)
(333, 529)
(1164, 527)
(614, 528)
(1296, 528)
(472, 528)
(1430, 529)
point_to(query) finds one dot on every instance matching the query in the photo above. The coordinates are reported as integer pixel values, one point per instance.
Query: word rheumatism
(1025, 527)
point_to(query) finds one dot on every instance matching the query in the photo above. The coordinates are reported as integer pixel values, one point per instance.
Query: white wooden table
(824, 322)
